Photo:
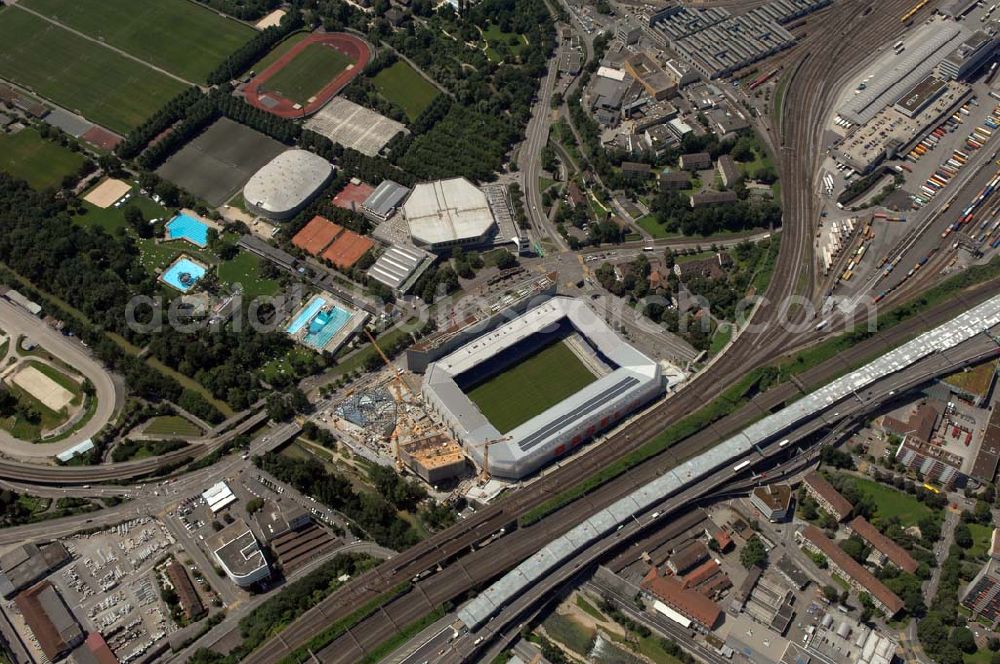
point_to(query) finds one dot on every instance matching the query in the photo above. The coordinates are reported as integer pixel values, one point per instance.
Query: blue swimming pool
(183, 227)
(183, 274)
(324, 320)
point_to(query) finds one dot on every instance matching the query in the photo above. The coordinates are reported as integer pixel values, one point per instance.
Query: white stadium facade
(448, 213)
(630, 380)
(286, 184)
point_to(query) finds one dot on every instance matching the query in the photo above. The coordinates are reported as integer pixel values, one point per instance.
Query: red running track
(351, 46)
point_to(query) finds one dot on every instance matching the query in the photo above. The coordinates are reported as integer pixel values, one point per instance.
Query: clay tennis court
(105, 194)
(352, 47)
(316, 235)
(51, 394)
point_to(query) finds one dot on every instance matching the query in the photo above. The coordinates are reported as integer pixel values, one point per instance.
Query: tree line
(255, 49)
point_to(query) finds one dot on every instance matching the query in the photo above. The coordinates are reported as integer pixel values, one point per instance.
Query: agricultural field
(42, 163)
(307, 73)
(531, 387)
(179, 36)
(81, 75)
(405, 88)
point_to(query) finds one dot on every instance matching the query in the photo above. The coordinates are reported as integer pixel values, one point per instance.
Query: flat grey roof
(387, 197)
(397, 264)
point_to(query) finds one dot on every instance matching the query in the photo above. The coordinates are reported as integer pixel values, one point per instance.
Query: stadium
(538, 386)
(284, 185)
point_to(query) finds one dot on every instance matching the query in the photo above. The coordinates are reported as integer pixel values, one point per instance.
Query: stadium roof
(287, 182)
(530, 443)
(387, 197)
(447, 211)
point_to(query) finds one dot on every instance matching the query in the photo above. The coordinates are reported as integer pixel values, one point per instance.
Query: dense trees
(371, 512)
(171, 112)
(246, 10)
(256, 48)
(753, 553)
(674, 212)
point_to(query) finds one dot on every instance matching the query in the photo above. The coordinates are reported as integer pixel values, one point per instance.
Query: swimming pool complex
(184, 227)
(323, 318)
(183, 274)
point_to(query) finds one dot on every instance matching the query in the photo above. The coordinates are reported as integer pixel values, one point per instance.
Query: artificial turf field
(28, 156)
(405, 88)
(307, 73)
(531, 387)
(74, 72)
(177, 35)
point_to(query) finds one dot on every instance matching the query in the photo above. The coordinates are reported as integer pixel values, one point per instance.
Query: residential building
(774, 502)
(709, 198)
(933, 462)
(859, 578)
(636, 170)
(696, 161)
(829, 499)
(883, 549)
(675, 181)
(191, 605)
(729, 171)
(982, 595)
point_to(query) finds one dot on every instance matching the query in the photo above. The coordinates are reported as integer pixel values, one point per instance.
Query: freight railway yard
(581, 493)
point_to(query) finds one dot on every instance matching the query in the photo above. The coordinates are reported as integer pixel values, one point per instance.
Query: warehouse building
(50, 620)
(286, 184)
(238, 553)
(384, 201)
(859, 578)
(29, 563)
(629, 381)
(690, 603)
(448, 213)
(920, 96)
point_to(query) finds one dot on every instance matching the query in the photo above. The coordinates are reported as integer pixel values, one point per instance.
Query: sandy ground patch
(274, 18)
(106, 193)
(53, 396)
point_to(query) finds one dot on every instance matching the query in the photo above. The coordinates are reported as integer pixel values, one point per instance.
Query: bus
(784, 443)
(649, 248)
(741, 466)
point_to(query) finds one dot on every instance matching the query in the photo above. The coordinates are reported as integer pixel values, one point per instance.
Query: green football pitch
(42, 163)
(179, 36)
(307, 73)
(531, 387)
(76, 73)
(404, 87)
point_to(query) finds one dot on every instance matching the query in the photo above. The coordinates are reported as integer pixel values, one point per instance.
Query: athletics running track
(351, 46)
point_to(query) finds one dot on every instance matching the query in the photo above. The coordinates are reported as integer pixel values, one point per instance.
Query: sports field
(42, 163)
(179, 36)
(531, 387)
(405, 88)
(284, 47)
(76, 73)
(308, 73)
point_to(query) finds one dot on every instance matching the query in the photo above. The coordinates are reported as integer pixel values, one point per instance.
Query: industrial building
(499, 309)
(238, 553)
(925, 48)
(829, 499)
(920, 96)
(448, 213)
(970, 55)
(886, 601)
(982, 595)
(932, 462)
(399, 267)
(774, 501)
(631, 380)
(29, 563)
(50, 620)
(691, 604)
(766, 430)
(654, 79)
(286, 184)
(384, 201)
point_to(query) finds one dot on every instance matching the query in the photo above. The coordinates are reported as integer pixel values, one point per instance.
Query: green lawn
(721, 337)
(106, 87)
(405, 88)
(514, 396)
(173, 425)
(112, 219)
(42, 163)
(180, 36)
(284, 47)
(891, 503)
(245, 269)
(493, 35)
(649, 224)
(589, 608)
(307, 73)
(570, 633)
(981, 536)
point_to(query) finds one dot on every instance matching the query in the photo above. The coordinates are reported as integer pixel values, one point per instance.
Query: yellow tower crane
(484, 472)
